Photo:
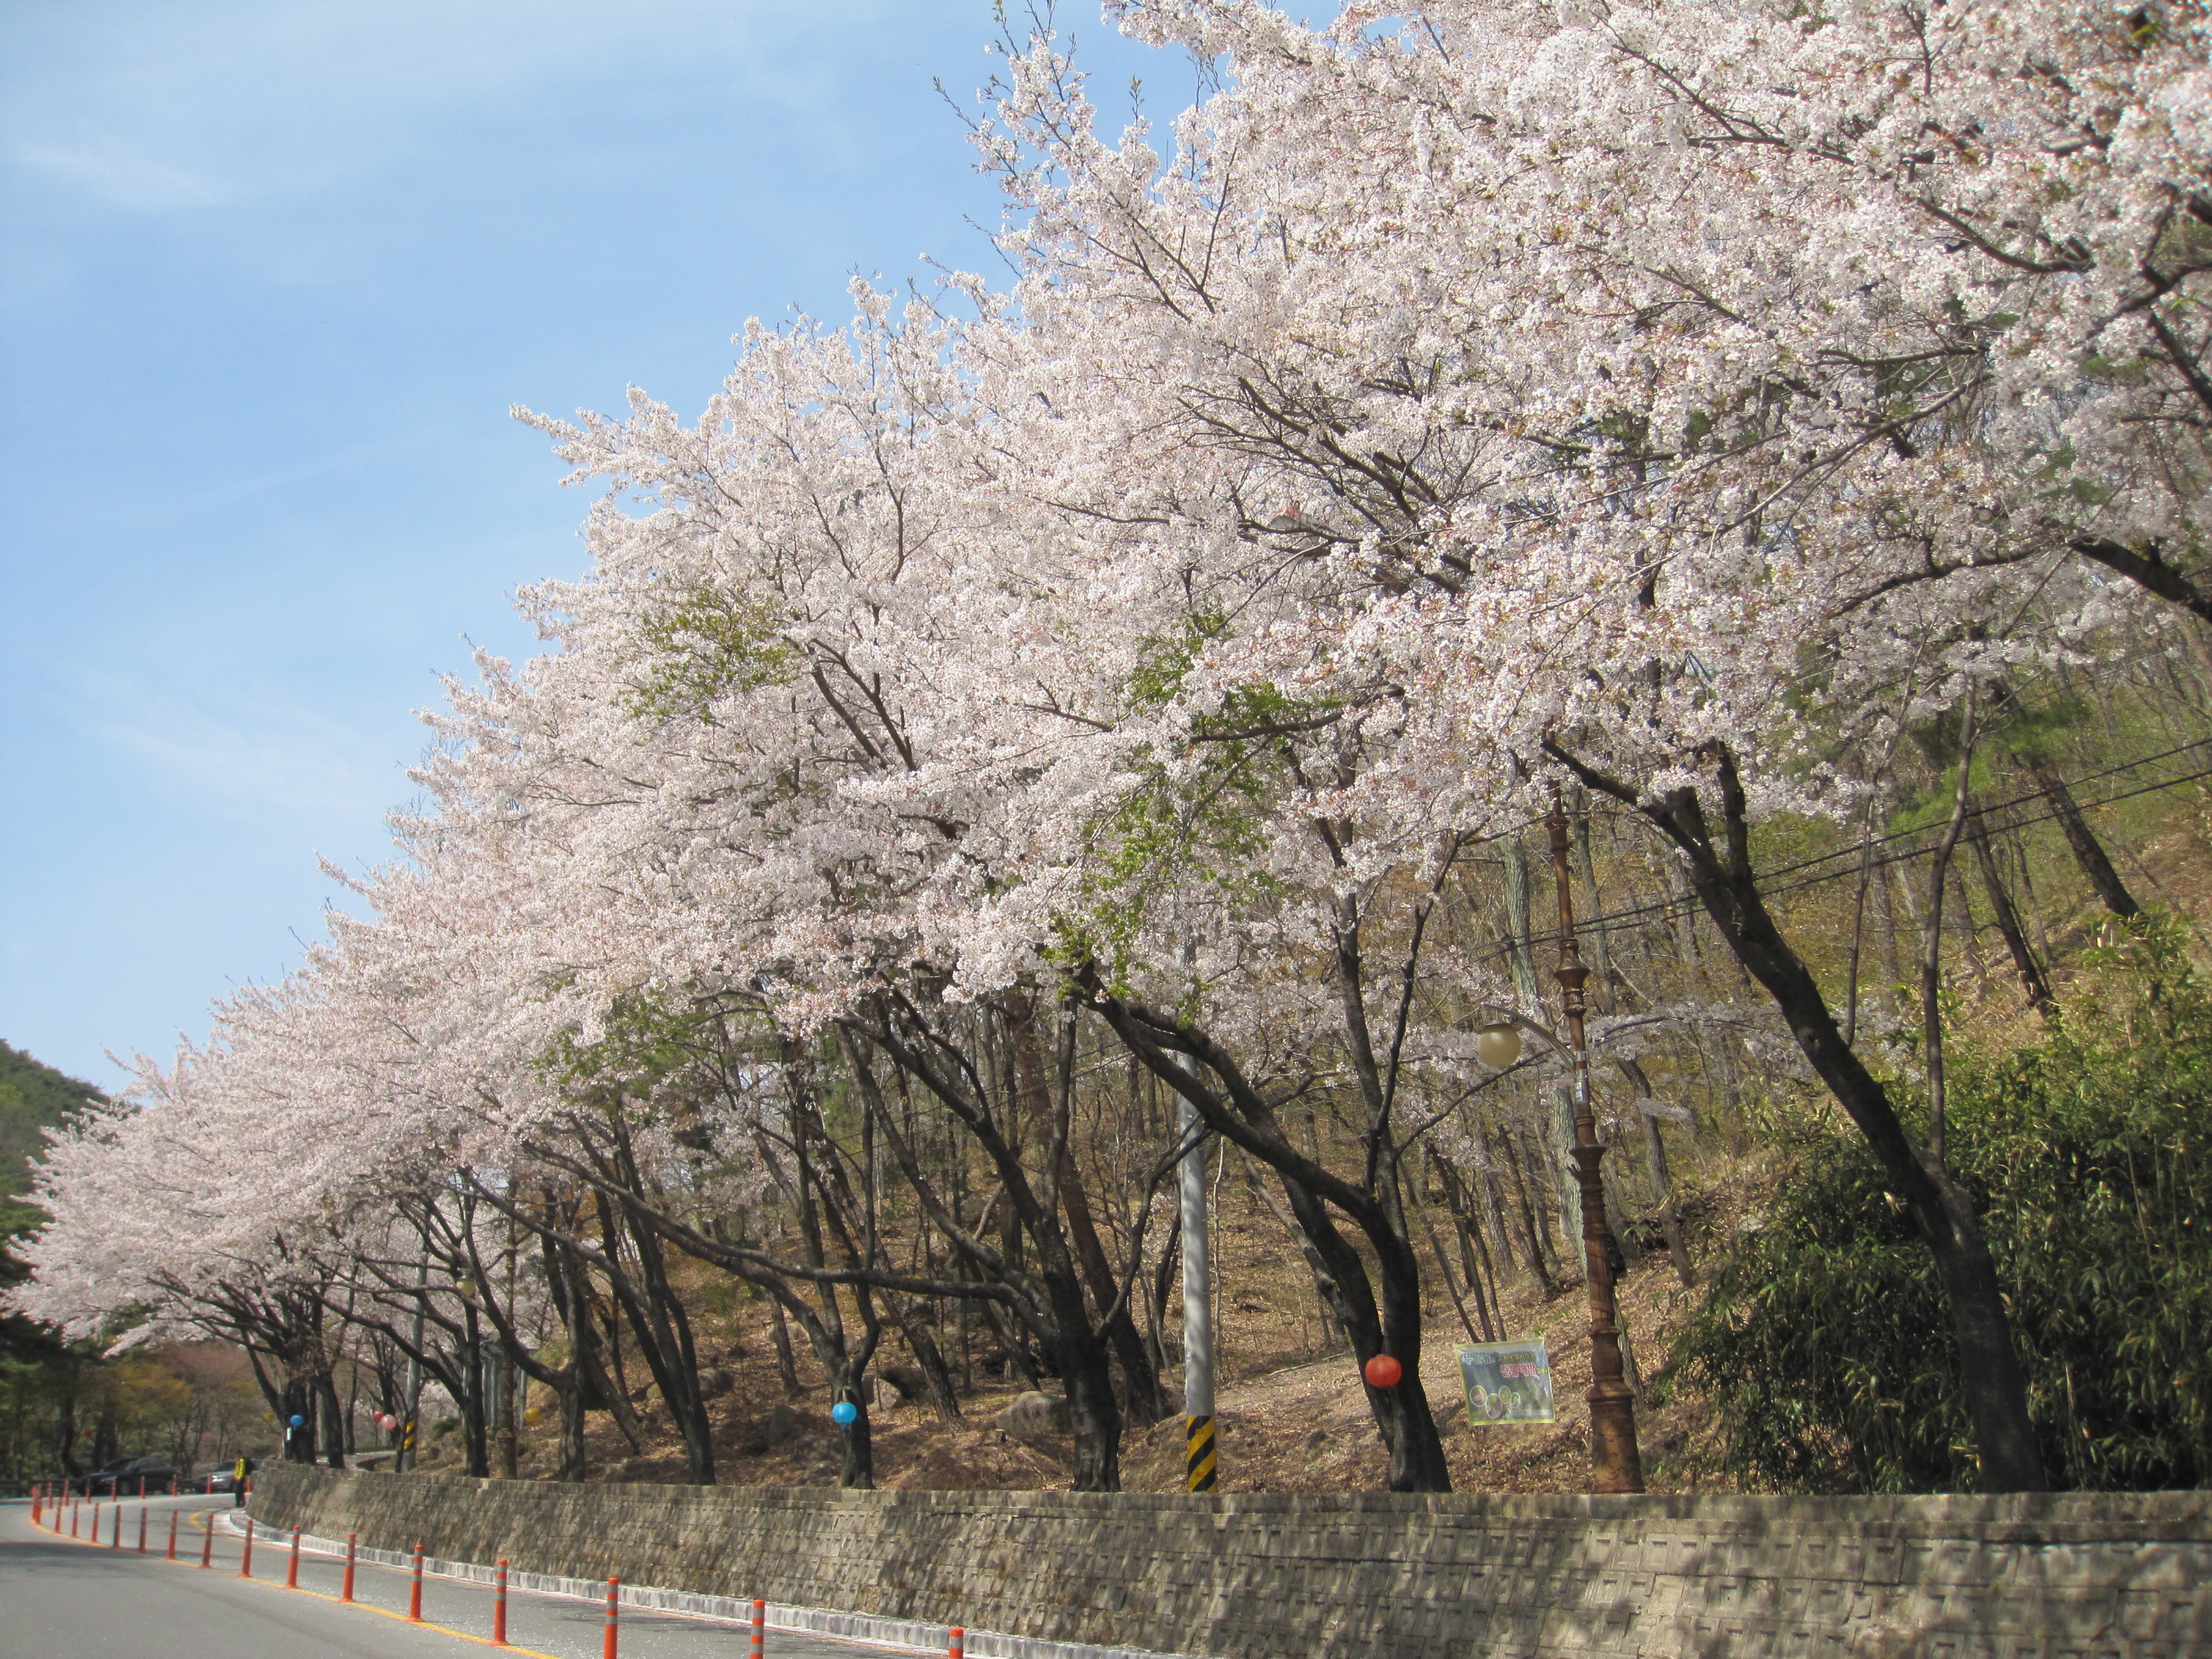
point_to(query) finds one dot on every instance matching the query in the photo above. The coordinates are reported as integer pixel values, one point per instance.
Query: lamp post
(1615, 1461)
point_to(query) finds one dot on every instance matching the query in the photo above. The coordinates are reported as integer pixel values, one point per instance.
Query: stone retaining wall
(1273, 1576)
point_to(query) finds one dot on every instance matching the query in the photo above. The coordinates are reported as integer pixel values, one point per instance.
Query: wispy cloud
(243, 763)
(196, 103)
(112, 171)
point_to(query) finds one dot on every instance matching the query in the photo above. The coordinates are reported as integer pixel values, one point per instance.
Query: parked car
(225, 1479)
(123, 1477)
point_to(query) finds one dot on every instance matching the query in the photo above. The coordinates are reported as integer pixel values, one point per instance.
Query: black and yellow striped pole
(1202, 1463)
(1200, 1458)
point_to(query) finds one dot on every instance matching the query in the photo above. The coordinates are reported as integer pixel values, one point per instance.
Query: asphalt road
(63, 1595)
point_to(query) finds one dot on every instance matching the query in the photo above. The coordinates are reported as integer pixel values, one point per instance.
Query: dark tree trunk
(856, 1444)
(65, 1431)
(1144, 1401)
(1389, 1324)
(2089, 852)
(936, 1376)
(333, 1420)
(787, 1365)
(476, 1438)
(1727, 887)
(2007, 919)
(1063, 1320)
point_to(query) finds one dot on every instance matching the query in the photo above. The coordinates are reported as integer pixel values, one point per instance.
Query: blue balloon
(298, 1421)
(845, 1412)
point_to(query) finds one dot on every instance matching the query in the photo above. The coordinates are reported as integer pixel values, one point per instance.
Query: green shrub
(1825, 1342)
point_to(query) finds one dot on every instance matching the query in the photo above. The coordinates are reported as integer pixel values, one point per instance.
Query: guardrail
(954, 1641)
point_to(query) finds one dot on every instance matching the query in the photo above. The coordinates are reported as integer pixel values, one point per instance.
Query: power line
(1669, 909)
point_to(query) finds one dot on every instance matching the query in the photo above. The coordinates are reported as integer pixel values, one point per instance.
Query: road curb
(900, 1635)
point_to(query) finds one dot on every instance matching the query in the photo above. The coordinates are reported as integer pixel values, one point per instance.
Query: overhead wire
(1672, 908)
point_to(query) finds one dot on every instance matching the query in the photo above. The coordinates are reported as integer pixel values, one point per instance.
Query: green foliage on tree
(1823, 1342)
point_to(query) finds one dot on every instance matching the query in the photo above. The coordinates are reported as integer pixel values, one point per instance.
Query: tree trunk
(929, 1360)
(2007, 919)
(855, 1441)
(1487, 1186)
(1532, 1225)
(787, 1366)
(1560, 1138)
(574, 1466)
(1145, 1402)
(1727, 886)
(2088, 852)
(1662, 1183)
(333, 1420)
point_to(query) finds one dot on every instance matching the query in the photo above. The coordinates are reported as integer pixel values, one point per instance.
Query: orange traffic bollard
(499, 1608)
(73, 1518)
(95, 1523)
(173, 1534)
(292, 1572)
(346, 1594)
(38, 1501)
(959, 1648)
(246, 1561)
(115, 1538)
(142, 1529)
(760, 1628)
(207, 1544)
(614, 1591)
(414, 1590)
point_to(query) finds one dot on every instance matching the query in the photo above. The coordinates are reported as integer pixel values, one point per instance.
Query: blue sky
(270, 276)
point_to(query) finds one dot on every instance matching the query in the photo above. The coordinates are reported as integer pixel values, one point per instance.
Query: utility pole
(1200, 1459)
(405, 1460)
(1614, 1460)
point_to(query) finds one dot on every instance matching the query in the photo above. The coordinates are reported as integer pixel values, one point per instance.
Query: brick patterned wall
(1270, 1576)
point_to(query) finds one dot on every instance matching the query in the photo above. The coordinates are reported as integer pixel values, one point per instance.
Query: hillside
(34, 1097)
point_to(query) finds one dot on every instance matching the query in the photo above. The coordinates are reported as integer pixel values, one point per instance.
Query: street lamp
(1614, 1460)
(1498, 1045)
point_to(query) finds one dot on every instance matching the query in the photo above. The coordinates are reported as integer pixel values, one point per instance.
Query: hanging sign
(1507, 1381)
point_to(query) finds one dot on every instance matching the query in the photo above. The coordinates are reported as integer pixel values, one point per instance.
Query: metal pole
(404, 1459)
(1615, 1461)
(1200, 1459)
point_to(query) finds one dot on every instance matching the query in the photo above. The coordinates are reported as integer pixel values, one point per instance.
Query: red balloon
(1383, 1372)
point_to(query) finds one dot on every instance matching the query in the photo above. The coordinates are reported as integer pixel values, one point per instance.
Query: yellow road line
(361, 1606)
(204, 1519)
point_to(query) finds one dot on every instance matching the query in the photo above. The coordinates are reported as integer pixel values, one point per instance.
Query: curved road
(63, 1595)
